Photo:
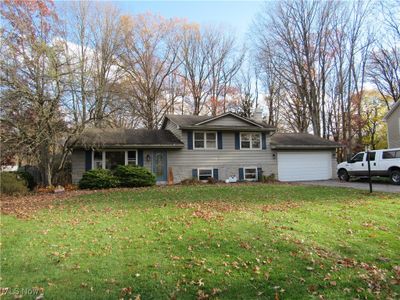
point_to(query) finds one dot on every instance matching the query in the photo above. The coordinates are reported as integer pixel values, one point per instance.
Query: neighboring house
(202, 147)
(392, 118)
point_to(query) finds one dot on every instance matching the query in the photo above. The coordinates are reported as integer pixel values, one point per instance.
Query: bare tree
(149, 57)
(298, 32)
(33, 85)
(384, 63)
(209, 62)
(246, 84)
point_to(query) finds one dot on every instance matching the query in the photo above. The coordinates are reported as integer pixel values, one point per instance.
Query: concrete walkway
(376, 186)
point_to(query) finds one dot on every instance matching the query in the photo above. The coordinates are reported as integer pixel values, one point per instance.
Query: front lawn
(223, 242)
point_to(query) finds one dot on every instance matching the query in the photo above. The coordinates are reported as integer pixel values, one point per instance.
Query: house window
(97, 160)
(250, 174)
(132, 158)
(205, 140)
(204, 174)
(250, 140)
(111, 159)
(114, 159)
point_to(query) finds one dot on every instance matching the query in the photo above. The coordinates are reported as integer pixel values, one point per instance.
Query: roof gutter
(224, 128)
(125, 146)
(304, 147)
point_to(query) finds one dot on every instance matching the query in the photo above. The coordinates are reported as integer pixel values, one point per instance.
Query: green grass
(225, 242)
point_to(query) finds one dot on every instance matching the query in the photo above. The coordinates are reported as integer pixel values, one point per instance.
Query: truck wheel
(395, 177)
(343, 175)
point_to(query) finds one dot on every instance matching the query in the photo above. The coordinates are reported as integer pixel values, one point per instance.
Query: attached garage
(303, 157)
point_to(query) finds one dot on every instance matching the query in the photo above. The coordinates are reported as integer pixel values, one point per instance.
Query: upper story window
(205, 140)
(249, 140)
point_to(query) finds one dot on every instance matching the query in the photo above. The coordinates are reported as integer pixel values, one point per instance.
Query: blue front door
(160, 164)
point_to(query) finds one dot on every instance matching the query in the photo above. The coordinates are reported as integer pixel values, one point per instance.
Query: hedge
(98, 179)
(134, 176)
(11, 183)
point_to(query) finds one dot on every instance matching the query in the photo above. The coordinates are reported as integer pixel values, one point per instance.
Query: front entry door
(160, 164)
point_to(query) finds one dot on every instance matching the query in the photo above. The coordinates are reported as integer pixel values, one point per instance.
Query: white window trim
(205, 140)
(244, 174)
(136, 158)
(251, 141)
(198, 172)
(103, 153)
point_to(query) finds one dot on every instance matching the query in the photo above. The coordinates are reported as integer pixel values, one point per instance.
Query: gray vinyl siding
(171, 126)
(393, 127)
(78, 165)
(227, 160)
(228, 121)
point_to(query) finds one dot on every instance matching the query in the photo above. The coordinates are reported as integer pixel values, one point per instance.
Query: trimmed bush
(12, 183)
(134, 176)
(98, 179)
(30, 181)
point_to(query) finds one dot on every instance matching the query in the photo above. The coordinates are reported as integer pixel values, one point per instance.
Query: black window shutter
(88, 160)
(237, 140)
(140, 157)
(241, 174)
(219, 139)
(259, 173)
(190, 140)
(264, 141)
(215, 173)
(194, 173)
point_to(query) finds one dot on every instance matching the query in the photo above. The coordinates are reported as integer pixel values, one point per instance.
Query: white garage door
(298, 166)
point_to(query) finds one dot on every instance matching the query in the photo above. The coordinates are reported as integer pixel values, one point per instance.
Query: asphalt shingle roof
(123, 136)
(189, 120)
(301, 140)
(186, 120)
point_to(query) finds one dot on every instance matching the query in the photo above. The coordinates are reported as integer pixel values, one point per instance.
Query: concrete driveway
(376, 186)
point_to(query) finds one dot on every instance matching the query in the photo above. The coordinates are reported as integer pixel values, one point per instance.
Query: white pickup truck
(384, 163)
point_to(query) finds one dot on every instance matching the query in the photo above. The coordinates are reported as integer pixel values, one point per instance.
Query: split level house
(200, 147)
(392, 118)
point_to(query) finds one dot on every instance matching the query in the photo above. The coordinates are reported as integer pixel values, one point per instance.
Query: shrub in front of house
(134, 176)
(12, 183)
(30, 181)
(98, 179)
